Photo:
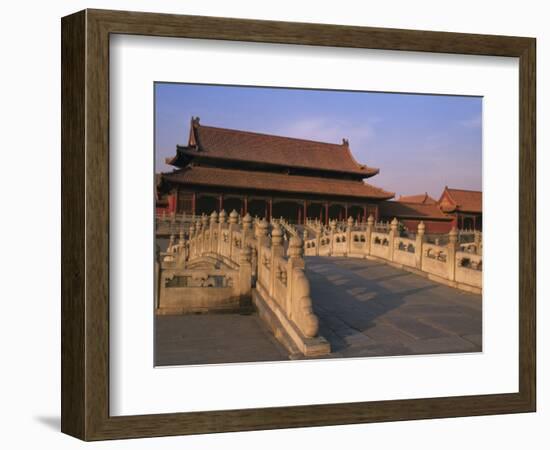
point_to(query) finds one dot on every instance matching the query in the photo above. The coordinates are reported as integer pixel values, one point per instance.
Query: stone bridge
(457, 264)
(359, 302)
(232, 265)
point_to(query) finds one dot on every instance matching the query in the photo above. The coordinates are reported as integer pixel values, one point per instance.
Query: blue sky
(420, 143)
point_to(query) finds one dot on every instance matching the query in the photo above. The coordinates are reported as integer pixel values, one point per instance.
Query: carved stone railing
(289, 228)
(201, 273)
(172, 223)
(314, 226)
(470, 242)
(247, 258)
(282, 292)
(469, 268)
(458, 265)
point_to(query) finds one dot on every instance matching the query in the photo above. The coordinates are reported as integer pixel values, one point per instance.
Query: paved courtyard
(368, 308)
(214, 338)
(365, 308)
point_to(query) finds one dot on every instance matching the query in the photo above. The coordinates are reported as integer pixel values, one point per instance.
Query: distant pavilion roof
(246, 146)
(419, 198)
(412, 210)
(269, 181)
(461, 200)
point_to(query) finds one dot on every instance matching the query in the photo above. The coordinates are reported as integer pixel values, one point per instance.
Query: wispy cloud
(472, 122)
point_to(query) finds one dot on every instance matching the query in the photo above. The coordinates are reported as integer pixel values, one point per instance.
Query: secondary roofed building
(268, 176)
(423, 199)
(458, 208)
(464, 206)
(410, 214)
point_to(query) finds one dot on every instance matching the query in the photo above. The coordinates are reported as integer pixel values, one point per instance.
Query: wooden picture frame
(85, 224)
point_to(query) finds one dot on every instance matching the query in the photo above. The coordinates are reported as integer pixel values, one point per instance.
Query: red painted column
(326, 213)
(194, 203)
(305, 211)
(270, 208)
(346, 211)
(171, 203)
(221, 202)
(364, 213)
(245, 205)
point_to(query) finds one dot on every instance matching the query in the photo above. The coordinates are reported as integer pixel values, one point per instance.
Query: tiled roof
(466, 201)
(274, 182)
(411, 210)
(237, 145)
(420, 198)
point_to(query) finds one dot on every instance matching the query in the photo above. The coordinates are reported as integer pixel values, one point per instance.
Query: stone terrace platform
(365, 308)
(368, 308)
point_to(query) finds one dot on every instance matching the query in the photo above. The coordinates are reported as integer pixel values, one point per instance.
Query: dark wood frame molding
(85, 224)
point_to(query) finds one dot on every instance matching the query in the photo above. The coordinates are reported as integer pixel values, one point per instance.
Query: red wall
(171, 207)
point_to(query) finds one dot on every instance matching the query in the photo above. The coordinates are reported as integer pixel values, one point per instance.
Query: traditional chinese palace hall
(267, 176)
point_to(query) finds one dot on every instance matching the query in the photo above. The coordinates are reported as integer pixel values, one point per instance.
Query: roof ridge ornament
(194, 141)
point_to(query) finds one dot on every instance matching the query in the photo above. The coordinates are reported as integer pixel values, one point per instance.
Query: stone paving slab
(383, 332)
(460, 324)
(415, 328)
(448, 344)
(214, 339)
(399, 312)
(376, 349)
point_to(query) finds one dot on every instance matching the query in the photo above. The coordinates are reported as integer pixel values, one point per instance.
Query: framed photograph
(273, 225)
